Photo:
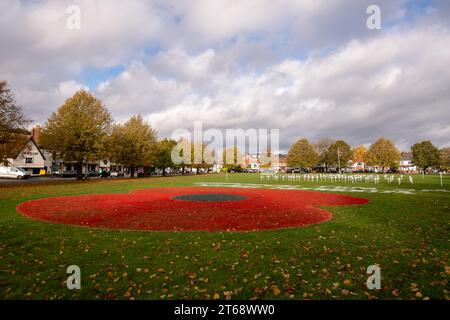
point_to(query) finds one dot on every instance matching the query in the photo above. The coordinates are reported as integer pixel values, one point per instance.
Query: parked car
(267, 170)
(65, 173)
(68, 174)
(13, 173)
(93, 173)
(297, 170)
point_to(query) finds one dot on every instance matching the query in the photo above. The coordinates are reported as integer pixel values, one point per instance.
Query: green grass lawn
(407, 235)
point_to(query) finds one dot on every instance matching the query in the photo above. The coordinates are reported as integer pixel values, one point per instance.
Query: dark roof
(37, 147)
(406, 156)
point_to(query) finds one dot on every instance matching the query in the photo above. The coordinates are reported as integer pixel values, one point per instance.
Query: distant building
(32, 159)
(281, 164)
(37, 160)
(251, 161)
(358, 165)
(406, 165)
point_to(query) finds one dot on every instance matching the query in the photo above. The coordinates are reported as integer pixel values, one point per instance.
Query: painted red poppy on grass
(189, 209)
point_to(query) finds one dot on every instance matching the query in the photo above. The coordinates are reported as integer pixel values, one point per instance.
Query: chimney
(35, 133)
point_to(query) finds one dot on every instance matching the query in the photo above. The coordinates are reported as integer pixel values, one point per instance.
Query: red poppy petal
(155, 209)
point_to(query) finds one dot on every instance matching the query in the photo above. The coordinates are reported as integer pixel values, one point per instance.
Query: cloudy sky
(310, 68)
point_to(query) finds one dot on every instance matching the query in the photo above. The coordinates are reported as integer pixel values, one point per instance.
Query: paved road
(48, 180)
(38, 180)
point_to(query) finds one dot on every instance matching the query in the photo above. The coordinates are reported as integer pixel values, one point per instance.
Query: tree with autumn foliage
(383, 153)
(162, 158)
(202, 157)
(232, 159)
(359, 154)
(133, 144)
(339, 153)
(302, 154)
(190, 155)
(322, 147)
(445, 159)
(425, 155)
(78, 130)
(13, 133)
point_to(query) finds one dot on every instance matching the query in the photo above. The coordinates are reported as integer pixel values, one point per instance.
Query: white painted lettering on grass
(319, 188)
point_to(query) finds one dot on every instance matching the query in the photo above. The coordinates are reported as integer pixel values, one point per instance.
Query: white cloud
(47, 99)
(110, 32)
(384, 86)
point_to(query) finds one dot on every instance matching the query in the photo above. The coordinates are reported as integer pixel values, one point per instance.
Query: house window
(28, 160)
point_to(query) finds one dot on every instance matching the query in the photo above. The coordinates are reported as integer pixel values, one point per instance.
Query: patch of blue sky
(413, 9)
(93, 77)
(417, 7)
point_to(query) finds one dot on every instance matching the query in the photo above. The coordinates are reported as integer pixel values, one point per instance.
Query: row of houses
(405, 165)
(253, 162)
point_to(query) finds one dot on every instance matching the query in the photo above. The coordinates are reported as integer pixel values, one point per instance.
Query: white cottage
(32, 159)
(406, 165)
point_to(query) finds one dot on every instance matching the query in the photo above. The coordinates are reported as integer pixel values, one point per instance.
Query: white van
(13, 173)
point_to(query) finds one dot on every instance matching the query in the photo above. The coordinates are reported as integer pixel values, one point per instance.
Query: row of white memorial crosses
(353, 178)
(391, 178)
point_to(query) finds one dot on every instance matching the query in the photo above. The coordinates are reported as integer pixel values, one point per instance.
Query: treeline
(382, 153)
(82, 131)
(12, 124)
